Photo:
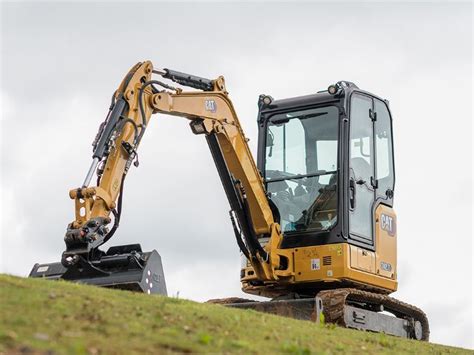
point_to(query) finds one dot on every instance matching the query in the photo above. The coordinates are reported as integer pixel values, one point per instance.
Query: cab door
(361, 169)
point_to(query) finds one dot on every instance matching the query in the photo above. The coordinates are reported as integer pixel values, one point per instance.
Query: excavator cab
(327, 164)
(328, 169)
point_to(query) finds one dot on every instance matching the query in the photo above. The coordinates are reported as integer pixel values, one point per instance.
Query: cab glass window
(288, 152)
(301, 167)
(361, 167)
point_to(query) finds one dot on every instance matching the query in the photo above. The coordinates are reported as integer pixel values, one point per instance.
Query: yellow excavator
(312, 217)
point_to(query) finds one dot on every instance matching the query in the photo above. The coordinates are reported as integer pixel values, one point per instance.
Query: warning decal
(315, 264)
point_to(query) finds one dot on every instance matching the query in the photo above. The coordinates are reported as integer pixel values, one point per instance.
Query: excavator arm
(211, 114)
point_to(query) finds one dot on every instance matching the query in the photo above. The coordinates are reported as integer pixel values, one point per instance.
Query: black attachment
(124, 267)
(189, 80)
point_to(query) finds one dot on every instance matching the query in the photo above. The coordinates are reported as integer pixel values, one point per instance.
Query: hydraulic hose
(254, 239)
(238, 237)
(117, 212)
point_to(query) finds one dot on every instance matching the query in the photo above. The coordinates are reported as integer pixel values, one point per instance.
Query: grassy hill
(39, 316)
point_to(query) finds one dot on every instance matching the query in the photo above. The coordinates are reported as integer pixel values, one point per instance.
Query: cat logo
(388, 224)
(210, 105)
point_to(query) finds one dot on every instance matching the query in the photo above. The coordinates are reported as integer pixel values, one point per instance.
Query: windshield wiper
(279, 121)
(301, 176)
(311, 115)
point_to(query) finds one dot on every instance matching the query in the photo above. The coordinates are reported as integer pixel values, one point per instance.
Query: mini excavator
(313, 217)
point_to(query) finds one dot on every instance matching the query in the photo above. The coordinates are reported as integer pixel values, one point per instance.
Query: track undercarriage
(347, 307)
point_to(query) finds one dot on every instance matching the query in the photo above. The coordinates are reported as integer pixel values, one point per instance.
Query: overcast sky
(60, 63)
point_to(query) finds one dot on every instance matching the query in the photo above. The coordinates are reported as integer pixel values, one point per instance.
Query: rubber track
(335, 300)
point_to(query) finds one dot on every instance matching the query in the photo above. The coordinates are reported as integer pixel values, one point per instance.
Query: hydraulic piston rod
(89, 175)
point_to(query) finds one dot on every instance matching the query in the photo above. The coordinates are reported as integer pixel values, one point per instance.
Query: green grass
(42, 316)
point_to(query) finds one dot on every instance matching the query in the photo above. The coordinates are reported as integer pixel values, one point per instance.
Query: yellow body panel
(342, 262)
(333, 262)
(386, 242)
(361, 259)
(328, 263)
